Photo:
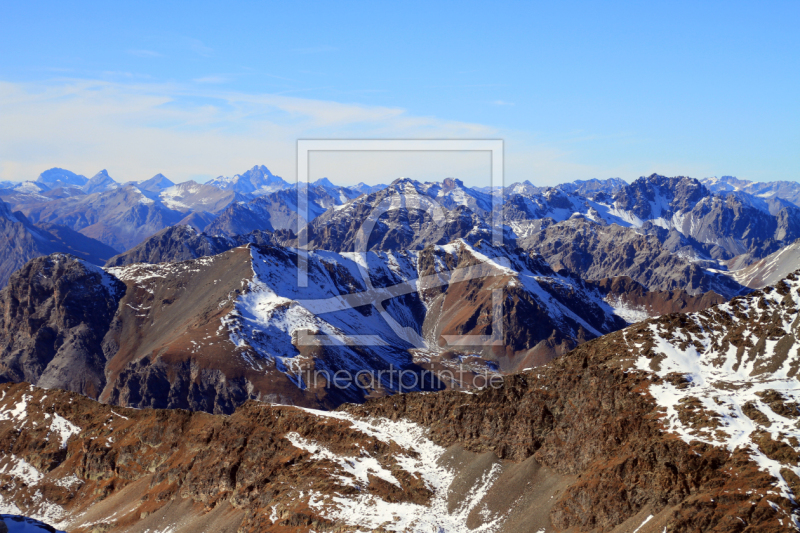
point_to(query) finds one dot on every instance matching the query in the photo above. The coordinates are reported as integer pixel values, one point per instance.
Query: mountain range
(714, 227)
(252, 355)
(785, 190)
(686, 422)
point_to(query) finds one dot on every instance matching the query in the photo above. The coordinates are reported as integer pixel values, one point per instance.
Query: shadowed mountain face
(181, 243)
(100, 182)
(683, 423)
(659, 260)
(769, 270)
(156, 184)
(58, 177)
(120, 218)
(633, 302)
(278, 210)
(22, 241)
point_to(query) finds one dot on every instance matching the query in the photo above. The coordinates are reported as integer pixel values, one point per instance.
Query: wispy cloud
(501, 102)
(138, 129)
(145, 53)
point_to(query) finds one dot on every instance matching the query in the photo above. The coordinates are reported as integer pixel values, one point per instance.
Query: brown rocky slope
(629, 432)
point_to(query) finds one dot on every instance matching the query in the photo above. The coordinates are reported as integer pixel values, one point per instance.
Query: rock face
(769, 270)
(210, 333)
(660, 261)
(683, 423)
(55, 312)
(635, 303)
(657, 196)
(407, 215)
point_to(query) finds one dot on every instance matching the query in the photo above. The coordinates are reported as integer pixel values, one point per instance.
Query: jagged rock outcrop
(596, 252)
(683, 423)
(56, 311)
(210, 333)
(407, 215)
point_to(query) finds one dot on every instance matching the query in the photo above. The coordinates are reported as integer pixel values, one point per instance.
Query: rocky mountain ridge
(236, 322)
(683, 423)
(181, 243)
(279, 210)
(709, 231)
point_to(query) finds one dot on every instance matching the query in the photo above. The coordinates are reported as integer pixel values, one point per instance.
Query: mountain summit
(257, 181)
(100, 182)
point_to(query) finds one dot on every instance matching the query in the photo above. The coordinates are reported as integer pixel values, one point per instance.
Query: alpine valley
(250, 355)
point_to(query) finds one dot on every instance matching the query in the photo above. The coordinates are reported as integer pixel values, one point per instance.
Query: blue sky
(576, 89)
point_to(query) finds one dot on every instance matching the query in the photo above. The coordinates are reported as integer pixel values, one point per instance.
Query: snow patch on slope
(725, 383)
(423, 460)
